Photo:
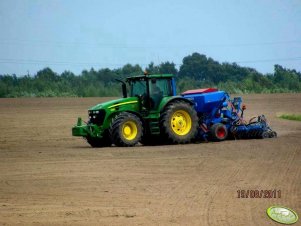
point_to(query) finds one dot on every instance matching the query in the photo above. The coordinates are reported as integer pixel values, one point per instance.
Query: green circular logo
(282, 214)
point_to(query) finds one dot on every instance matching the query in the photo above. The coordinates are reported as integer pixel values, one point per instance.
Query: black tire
(123, 123)
(273, 134)
(265, 135)
(168, 128)
(96, 142)
(219, 132)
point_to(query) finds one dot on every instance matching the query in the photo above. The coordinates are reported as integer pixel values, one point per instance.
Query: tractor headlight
(96, 116)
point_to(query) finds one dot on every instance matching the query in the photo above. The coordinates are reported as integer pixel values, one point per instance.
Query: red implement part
(199, 91)
(221, 133)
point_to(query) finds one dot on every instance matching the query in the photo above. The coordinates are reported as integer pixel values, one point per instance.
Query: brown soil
(49, 177)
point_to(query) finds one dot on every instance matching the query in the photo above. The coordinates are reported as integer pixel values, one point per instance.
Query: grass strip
(296, 117)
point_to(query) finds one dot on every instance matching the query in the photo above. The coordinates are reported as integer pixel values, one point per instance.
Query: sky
(79, 34)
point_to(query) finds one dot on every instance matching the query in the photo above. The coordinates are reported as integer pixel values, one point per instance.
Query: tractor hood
(123, 102)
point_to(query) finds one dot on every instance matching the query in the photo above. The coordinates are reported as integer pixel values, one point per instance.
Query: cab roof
(137, 77)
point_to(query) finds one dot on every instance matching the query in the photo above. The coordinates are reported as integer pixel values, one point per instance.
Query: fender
(169, 100)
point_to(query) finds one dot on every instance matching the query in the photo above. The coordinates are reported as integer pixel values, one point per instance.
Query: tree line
(196, 71)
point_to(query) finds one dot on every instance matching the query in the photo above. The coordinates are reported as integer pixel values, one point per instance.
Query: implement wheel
(219, 132)
(179, 122)
(126, 130)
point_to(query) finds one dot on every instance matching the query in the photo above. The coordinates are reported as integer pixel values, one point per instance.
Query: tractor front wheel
(179, 122)
(126, 130)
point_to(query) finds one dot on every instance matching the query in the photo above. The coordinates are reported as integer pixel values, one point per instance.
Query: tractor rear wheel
(126, 130)
(219, 132)
(179, 122)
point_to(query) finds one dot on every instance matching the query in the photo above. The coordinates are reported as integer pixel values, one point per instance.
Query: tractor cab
(151, 89)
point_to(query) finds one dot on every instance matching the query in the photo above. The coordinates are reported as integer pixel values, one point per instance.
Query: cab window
(158, 89)
(138, 87)
(162, 86)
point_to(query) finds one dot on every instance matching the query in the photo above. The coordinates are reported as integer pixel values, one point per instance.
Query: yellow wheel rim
(181, 122)
(129, 130)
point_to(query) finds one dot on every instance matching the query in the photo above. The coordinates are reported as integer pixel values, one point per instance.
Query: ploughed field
(49, 177)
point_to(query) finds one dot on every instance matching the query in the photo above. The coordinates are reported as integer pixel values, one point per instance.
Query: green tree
(168, 68)
(152, 69)
(194, 66)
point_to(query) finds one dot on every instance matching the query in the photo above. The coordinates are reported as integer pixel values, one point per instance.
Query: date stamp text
(258, 194)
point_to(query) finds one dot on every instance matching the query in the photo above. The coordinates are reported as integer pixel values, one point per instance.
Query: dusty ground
(49, 177)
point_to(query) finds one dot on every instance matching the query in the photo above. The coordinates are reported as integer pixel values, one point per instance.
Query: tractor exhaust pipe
(123, 86)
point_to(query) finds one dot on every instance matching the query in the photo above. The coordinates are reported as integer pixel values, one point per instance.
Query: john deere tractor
(149, 111)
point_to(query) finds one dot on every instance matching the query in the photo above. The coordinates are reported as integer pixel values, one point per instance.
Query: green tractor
(152, 111)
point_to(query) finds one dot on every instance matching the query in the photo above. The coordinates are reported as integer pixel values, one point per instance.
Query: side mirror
(244, 107)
